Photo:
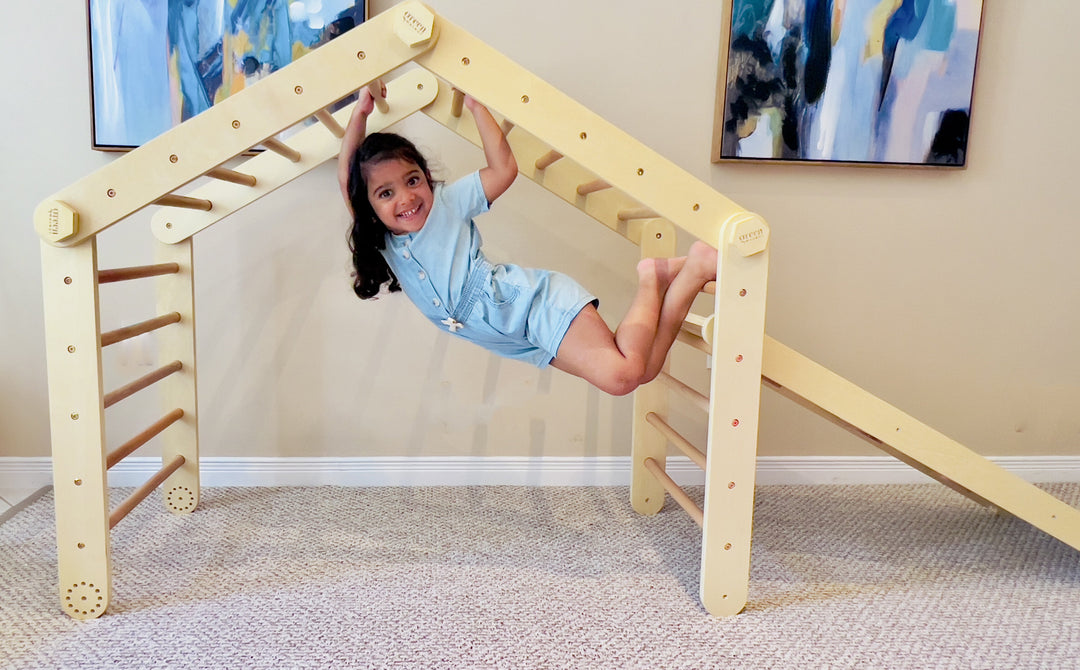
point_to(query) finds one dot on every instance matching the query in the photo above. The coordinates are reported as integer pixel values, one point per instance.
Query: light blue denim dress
(516, 312)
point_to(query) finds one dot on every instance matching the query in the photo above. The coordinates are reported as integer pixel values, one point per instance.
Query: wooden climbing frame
(559, 144)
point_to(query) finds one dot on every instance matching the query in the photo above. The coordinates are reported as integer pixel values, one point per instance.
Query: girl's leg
(698, 270)
(619, 362)
(615, 362)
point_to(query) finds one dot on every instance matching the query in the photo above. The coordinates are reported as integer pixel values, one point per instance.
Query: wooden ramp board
(837, 399)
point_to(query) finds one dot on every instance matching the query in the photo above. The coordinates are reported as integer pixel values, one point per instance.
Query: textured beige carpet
(508, 577)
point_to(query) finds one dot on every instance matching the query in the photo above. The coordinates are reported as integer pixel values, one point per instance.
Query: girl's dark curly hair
(368, 234)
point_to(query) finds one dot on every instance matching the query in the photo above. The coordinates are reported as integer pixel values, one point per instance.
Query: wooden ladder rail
(74, 343)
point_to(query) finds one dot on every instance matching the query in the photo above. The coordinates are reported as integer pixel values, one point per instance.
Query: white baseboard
(24, 473)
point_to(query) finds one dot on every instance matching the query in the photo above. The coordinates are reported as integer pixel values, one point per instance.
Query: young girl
(412, 233)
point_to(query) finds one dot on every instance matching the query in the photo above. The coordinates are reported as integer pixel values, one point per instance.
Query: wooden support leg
(733, 417)
(646, 492)
(175, 293)
(77, 417)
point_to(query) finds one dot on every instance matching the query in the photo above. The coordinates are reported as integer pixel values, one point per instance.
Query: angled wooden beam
(236, 124)
(573, 131)
(842, 402)
(316, 144)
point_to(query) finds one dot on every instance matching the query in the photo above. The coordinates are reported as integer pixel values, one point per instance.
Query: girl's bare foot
(701, 262)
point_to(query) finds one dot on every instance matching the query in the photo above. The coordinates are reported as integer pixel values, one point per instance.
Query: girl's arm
(501, 167)
(355, 133)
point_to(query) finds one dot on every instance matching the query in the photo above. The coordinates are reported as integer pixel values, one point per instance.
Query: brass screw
(697, 207)
(465, 60)
(734, 423)
(659, 236)
(640, 171)
(71, 348)
(67, 280)
(525, 99)
(78, 482)
(236, 123)
(81, 545)
(174, 158)
(74, 416)
(738, 359)
(111, 193)
(727, 547)
(742, 293)
(299, 90)
(361, 55)
(731, 485)
(584, 136)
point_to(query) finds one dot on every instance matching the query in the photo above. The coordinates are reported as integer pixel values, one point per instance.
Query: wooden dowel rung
(506, 126)
(640, 213)
(126, 449)
(232, 176)
(456, 103)
(128, 332)
(592, 187)
(710, 287)
(328, 120)
(184, 202)
(378, 93)
(701, 326)
(695, 398)
(281, 149)
(124, 508)
(139, 384)
(677, 494)
(137, 272)
(692, 452)
(547, 159)
(694, 341)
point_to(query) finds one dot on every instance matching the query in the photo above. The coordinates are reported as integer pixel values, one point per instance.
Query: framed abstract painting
(880, 82)
(156, 63)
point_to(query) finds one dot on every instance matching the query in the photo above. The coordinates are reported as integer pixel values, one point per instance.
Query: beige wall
(955, 295)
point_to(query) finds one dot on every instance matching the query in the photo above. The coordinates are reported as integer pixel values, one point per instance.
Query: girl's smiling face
(400, 193)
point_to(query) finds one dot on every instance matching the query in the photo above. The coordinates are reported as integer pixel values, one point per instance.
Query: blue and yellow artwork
(156, 63)
(851, 81)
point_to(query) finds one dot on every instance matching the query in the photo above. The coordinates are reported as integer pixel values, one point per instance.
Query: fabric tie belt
(479, 276)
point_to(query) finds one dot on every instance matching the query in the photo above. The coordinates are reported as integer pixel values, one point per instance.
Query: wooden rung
(146, 489)
(282, 149)
(124, 450)
(699, 400)
(592, 187)
(640, 213)
(506, 126)
(701, 326)
(139, 384)
(378, 93)
(232, 176)
(677, 494)
(328, 120)
(184, 202)
(137, 272)
(456, 103)
(547, 159)
(128, 332)
(684, 445)
(710, 288)
(694, 341)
